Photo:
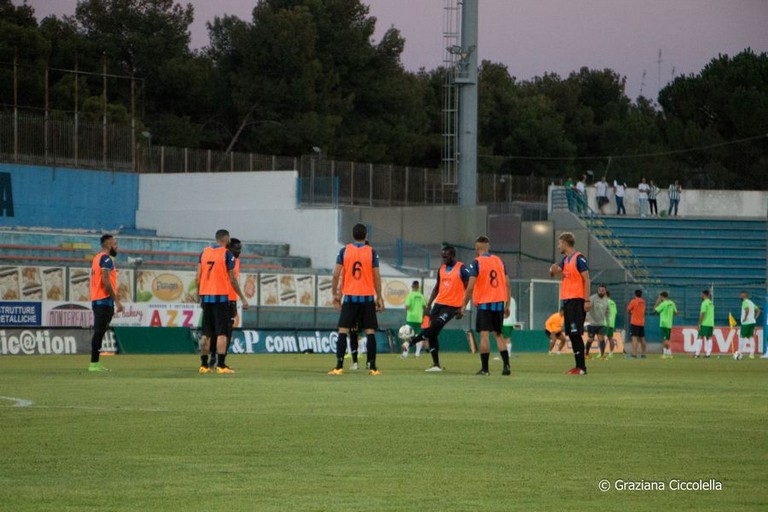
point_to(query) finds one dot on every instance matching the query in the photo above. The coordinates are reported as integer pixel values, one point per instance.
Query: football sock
(509, 347)
(220, 360)
(708, 346)
(504, 357)
(577, 343)
(435, 357)
(341, 349)
(203, 360)
(484, 361)
(418, 348)
(354, 345)
(699, 342)
(370, 346)
(589, 346)
(602, 347)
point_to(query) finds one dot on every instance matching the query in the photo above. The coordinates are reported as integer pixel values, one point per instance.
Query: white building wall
(259, 206)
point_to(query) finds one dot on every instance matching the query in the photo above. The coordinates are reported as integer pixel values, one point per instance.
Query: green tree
(726, 101)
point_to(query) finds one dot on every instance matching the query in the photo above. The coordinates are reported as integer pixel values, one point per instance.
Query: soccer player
(553, 328)
(596, 319)
(357, 271)
(636, 309)
(444, 303)
(574, 289)
(666, 310)
(215, 279)
(415, 309)
(749, 314)
(104, 299)
(610, 323)
(487, 287)
(706, 325)
(235, 246)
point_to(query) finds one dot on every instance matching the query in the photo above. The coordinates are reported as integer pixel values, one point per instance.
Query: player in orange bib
(447, 297)
(487, 287)
(574, 290)
(359, 297)
(235, 246)
(104, 299)
(215, 280)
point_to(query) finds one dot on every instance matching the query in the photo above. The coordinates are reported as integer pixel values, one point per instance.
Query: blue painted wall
(71, 198)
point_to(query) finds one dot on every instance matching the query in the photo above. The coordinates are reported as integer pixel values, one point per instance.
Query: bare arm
(377, 287)
(236, 287)
(587, 289)
(468, 294)
(335, 286)
(112, 292)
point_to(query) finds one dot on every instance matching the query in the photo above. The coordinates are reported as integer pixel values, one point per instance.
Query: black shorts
(574, 316)
(232, 316)
(216, 319)
(443, 313)
(360, 315)
(637, 330)
(594, 330)
(488, 320)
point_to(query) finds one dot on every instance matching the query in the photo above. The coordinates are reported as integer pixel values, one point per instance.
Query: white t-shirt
(601, 189)
(642, 191)
(581, 187)
(619, 188)
(748, 306)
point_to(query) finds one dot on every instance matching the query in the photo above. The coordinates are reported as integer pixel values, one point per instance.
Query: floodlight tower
(460, 102)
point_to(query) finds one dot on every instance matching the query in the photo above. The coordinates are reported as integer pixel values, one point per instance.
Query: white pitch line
(20, 402)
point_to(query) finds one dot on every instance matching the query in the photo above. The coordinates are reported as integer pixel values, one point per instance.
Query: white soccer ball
(406, 333)
(737, 356)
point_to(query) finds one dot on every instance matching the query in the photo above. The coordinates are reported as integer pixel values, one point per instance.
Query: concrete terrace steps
(689, 251)
(66, 248)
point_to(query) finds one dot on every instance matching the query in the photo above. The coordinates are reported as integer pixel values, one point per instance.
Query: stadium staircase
(64, 248)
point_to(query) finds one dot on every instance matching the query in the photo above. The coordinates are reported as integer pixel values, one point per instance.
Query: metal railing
(61, 140)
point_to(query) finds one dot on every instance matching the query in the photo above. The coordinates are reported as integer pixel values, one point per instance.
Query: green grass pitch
(281, 435)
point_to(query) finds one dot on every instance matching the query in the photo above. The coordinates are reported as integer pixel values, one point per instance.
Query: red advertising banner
(724, 341)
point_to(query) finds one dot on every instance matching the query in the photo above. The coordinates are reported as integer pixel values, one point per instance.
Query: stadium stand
(19, 246)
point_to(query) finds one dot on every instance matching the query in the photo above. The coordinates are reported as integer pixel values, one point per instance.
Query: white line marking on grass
(20, 402)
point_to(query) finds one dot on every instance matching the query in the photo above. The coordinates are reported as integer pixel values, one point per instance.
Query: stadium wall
(252, 206)
(696, 203)
(33, 196)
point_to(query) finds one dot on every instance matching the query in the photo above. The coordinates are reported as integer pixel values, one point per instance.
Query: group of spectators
(647, 196)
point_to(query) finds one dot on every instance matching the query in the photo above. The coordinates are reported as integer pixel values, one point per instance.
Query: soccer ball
(737, 356)
(406, 333)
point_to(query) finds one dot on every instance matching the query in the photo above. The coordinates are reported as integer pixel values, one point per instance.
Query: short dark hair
(221, 234)
(449, 249)
(568, 238)
(359, 232)
(664, 294)
(482, 240)
(415, 283)
(234, 241)
(705, 292)
(104, 238)
(638, 293)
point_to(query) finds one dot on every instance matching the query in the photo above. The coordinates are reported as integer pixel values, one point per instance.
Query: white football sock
(708, 346)
(418, 348)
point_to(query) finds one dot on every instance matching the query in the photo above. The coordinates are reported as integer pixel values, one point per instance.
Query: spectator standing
(570, 192)
(601, 192)
(675, 191)
(581, 194)
(620, 187)
(642, 197)
(652, 193)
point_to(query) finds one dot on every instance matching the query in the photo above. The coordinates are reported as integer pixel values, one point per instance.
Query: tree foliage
(306, 73)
